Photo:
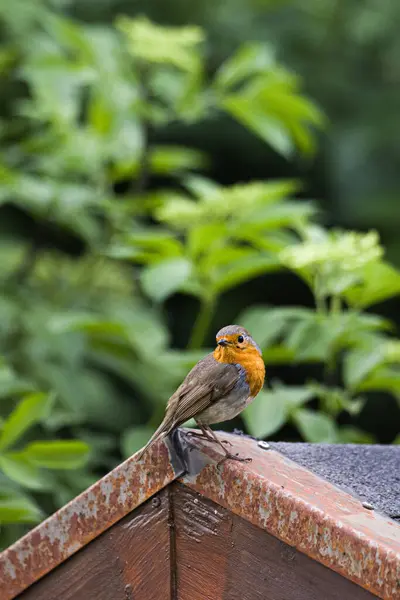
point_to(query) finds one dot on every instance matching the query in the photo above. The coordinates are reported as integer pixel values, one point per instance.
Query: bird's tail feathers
(163, 430)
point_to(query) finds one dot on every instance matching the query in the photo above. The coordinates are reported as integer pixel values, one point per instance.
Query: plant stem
(28, 263)
(142, 179)
(202, 323)
(336, 305)
(319, 298)
(140, 184)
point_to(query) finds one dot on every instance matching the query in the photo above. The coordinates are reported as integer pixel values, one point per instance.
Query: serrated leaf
(163, 279)
(29, 411)
(66, 454)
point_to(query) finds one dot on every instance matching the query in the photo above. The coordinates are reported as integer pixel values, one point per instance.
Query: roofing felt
(368, 472)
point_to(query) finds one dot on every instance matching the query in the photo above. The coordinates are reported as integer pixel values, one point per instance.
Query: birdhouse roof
(337, 504)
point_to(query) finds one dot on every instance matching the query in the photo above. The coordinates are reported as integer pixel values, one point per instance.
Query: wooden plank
(202, 545)
(129, 561)
(220, 556)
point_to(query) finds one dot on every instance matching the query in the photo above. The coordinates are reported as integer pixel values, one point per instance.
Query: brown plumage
(218, 387)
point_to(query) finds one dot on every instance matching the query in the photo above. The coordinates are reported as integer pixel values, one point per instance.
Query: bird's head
(234, 343)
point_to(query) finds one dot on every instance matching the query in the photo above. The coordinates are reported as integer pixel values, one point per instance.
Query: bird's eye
(240, 339)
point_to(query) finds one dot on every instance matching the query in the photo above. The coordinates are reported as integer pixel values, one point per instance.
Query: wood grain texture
(182, 546)
(223, 557)
(130, 561)
(203, 540)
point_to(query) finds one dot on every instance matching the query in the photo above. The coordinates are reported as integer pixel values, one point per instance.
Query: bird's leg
(212, 437)
(203, 435)
(228, 456)
(208, 434)
(226, 452)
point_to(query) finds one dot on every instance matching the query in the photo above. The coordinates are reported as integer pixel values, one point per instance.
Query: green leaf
(360, 362)
(87, 323)
(315, 427)
(380, 282)
(11, 384)
(278, 355)
(260, 122)
(177, 46)
(268, 324)
(202, 187)
(163, 279)
(382, 378)
(18, 468)
(242, 270)
(202, 238)
(251, 58)
(271, 409)
(271, 106)
(283, 214)
(165, 160)
(146, 246)
(334, 400)
(17, 509)
(135, 438)
(265, 415)
(353, 435)
(67, 454)
(32, 409)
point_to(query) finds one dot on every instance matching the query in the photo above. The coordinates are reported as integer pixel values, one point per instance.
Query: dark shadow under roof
(371, 473)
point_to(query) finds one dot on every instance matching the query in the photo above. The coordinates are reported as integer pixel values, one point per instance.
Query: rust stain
(272, 492)
(83, 519)
(306, 512)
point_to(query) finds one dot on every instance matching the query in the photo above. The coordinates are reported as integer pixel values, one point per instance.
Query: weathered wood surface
(182, 546)
(223, 557)
(130, 561)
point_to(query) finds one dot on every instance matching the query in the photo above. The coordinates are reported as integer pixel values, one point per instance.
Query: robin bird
(218, 387)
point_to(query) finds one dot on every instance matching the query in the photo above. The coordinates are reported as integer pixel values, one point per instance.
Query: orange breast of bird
(251, 361)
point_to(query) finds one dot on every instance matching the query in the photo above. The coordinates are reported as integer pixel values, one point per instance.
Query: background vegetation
(155, 185)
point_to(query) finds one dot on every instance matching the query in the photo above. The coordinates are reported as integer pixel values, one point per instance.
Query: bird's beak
(222, 342)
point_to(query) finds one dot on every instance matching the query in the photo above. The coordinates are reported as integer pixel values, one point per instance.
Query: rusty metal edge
(84, 518)
(306, 512)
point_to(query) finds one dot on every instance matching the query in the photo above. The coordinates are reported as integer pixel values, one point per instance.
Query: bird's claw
(233, 457)
(227, 442)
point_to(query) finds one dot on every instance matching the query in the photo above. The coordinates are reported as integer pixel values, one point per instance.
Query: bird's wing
(206, 383)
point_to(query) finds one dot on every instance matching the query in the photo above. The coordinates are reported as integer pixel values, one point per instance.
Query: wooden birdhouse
(300, 521)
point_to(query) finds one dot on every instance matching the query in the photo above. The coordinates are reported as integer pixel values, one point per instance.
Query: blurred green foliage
(88, 361)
